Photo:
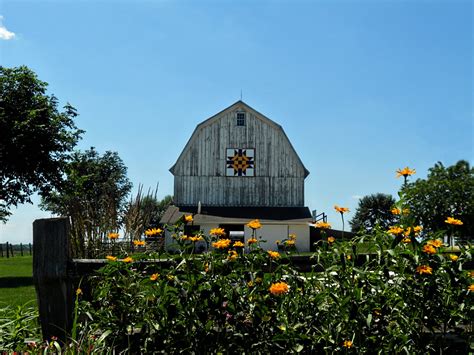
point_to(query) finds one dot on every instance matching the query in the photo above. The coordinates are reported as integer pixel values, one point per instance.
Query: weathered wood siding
(200, 172)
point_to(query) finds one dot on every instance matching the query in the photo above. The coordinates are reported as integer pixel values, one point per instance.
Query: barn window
(240, 118)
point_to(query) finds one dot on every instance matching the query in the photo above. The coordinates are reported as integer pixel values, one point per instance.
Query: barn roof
(238, 104)
(213, 214)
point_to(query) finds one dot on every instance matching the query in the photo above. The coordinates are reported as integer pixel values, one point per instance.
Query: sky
(361, 88)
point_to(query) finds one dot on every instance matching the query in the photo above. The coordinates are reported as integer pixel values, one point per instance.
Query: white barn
(237, 166)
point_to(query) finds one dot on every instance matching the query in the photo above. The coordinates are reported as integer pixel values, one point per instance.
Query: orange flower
(453, 257)
(127, 260)
(341, 209)
(417, 230)
(153, 231)
(395, 230)
(395, 211)
(232, 255)
(429, 249)
(290, 242)
(292, 236)
(111, 258)
(195, 239)
(331, 240)
(252, 241)
(454, 221)
(255, 224)
(279, 288)
(435, 242)
(424, 269)
(188, 218)
(238, 244)
(221, 244)
(113, 236)
(405, 172)
(154, 277)
(471, 288)
(322, 225)
(139, 243)
(347, 344)
(218, 232)
(406, 240)
(407, 232)
(274, 254)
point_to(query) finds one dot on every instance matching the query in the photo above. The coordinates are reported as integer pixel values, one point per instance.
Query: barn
(239, 165)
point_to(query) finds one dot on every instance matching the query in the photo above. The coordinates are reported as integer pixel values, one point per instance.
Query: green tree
(373, 210)
(93, 195)
(446, 192)
(36, 138)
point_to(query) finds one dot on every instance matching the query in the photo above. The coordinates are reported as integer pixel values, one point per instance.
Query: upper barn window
(240, 118)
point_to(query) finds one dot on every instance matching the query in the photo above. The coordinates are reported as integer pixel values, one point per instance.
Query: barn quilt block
(240, 162)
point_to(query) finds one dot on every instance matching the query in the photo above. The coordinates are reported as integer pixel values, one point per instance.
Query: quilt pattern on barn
(240, 162)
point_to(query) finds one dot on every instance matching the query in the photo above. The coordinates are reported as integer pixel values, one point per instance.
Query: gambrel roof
(239, 105)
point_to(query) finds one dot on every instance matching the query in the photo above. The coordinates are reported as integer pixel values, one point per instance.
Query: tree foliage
(36, 138)
(93, 195)
(446, 192)
(373, 210)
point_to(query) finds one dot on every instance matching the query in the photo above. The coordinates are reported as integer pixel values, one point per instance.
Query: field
(16, 281)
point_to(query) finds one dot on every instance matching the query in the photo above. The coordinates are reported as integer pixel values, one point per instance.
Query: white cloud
(4, 33)
(357, 197)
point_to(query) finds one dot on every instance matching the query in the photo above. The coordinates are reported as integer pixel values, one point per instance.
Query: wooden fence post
(8, 251)
(1, 250)
(21, 249)
(11, 251)
(54, 290)
(30, 248)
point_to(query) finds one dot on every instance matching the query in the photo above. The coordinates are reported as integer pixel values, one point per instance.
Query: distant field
(16, 281)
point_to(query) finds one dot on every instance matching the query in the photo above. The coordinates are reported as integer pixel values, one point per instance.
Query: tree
(446, 192)
(36, 138)
(373, 210)
(93, 195)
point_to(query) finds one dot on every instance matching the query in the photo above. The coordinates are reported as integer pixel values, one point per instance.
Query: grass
(16, 281)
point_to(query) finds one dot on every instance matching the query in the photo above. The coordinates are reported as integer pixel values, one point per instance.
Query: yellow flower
(395, 230)
(417, 230)
(471, 274)
(471, 288)
(322, 225)
(290, 243)
(238, 244)
(274, 254)
(113, 236)
(153, 231)
(424, 269)
(252, 241)
(78, 292)
(341, 209)
(111, 258)
(292, 236)
(279, 288)
(258, 280)
(139, 243)
(348, 257)
(453, 257)
(277, 242)
(221, 244)
(435, 242)
(405, 172)
(127, 260)
(170, 277)
(331, 240)
(195, 239)
(232, 255)
(406, 240)
(406, 211)
(454, 221)
(206, 267)
(218, 232)
(395, 211)
(250, 283)
(255, 224)
(188, 218)
(184, 237)
(347, 344)
(154, 277)
(407, 232)
(429, 249)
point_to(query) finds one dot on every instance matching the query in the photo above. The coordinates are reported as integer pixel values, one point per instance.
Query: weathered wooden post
(1, 250)
(54, 290)
(11, 251)
(21, 249)
(30, 248)
(8, 251)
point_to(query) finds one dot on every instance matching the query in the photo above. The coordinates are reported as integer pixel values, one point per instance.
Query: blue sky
(360, 87)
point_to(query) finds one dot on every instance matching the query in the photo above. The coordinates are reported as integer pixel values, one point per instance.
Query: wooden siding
(200, 172)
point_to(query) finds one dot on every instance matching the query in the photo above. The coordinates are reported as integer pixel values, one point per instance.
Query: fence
(8, 250)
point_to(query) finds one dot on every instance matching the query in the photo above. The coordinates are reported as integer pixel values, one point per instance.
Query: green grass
(16, 281)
